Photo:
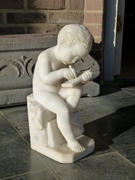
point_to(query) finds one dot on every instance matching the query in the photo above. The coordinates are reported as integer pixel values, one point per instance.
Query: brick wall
(38, 16)
(49, 16)
(93, 17)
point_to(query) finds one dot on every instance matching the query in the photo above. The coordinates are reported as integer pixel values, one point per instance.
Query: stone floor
(108, 118)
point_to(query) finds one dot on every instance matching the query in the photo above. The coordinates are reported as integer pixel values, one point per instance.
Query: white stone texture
(55, 129)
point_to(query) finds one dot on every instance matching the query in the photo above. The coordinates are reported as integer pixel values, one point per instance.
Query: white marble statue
(54, 125)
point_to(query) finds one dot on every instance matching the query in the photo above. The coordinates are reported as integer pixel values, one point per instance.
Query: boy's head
(72, 34)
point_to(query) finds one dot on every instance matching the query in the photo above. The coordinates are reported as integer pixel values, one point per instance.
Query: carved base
(62, 153)
(46, 138)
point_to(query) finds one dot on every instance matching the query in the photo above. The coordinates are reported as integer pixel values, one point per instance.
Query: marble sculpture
(55, 126)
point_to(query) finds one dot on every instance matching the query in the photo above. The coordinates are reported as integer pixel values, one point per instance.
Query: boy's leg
(71, 96)
(55, 104)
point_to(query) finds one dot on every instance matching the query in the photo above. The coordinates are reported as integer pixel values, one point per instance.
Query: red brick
(11, 4)
(94, 4)
(11, 30)
(64, 18)
(93, 18)
(95, 30)
(98, 40)
(48, 29)
(1, 18)
(46, 4)
(26, 18)
(76, 4)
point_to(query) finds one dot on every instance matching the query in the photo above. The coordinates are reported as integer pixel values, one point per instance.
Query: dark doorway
(128, 49)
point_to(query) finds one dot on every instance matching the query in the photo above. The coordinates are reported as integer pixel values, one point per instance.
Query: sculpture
(54, 124)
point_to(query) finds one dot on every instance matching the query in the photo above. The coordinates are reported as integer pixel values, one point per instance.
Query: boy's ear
(63, 42)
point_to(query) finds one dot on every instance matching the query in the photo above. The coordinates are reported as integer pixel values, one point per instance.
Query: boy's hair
(75, 33)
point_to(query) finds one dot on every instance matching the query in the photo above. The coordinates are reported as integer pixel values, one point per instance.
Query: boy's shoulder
(46, 52)
(45, 56)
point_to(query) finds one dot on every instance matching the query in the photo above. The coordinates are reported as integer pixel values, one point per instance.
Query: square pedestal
(63, 153)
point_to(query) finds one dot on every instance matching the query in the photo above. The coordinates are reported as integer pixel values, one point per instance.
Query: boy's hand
(86, 76)
(69, 73)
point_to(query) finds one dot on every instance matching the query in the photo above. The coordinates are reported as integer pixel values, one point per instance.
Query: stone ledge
(14, 97)
(27, 42)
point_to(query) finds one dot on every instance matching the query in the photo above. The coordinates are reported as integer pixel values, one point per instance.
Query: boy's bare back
(45, 72)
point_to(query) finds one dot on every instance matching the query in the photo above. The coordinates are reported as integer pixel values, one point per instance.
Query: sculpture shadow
(111, 129)
(109, 87)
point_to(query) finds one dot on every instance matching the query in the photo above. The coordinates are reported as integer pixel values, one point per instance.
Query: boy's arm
(83, 78)
(48, 76)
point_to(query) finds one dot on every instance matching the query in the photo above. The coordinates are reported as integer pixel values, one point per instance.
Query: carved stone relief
(18, 55)
(17, 72)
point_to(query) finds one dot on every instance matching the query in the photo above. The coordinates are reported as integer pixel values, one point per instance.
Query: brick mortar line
(39, 11)
(93, 24)
(93, 11)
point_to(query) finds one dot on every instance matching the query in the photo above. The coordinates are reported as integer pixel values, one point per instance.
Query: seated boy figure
(54, 64)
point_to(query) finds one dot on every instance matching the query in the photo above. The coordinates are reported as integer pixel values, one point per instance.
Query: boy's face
(73, 53)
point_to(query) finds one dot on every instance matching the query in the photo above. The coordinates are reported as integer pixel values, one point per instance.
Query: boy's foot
(75, 146)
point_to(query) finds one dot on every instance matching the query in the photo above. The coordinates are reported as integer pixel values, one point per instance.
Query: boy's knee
(65, 110)
(76, 91)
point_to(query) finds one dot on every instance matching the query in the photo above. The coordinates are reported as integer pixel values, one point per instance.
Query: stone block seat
(46, 138)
